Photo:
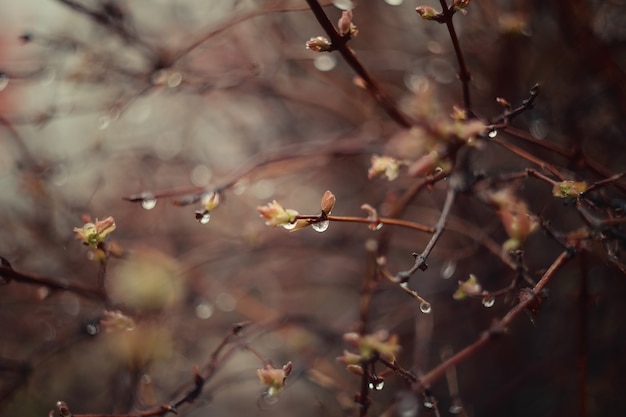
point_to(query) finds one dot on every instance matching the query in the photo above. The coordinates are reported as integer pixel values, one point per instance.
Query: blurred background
(106, 99)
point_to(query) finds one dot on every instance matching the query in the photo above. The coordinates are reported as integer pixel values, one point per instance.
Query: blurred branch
(7, 273)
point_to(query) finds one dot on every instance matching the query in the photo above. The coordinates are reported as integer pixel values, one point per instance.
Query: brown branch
(339, 43)
(50, 283)
(464, 75)
(497, 329)
(420, 259)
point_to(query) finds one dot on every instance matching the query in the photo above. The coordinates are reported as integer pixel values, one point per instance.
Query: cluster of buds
(117, 321)
(319, 44)
(378, 344)
(345, 25)
(347, 29)
(94, 233)
(469, 288)
(384, 165)
(429, 13)
(515, 216)
(275, 214)
(274, 378)
(209, 202)
(565, 189)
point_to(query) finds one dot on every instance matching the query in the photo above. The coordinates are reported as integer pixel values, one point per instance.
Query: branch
(339, 43)
(464, 75)
(420, 259)
(7, 273)
(498, 328)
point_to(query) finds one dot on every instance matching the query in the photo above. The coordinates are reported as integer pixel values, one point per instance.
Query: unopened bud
(427, 12)
(328, 202)
(319, 44)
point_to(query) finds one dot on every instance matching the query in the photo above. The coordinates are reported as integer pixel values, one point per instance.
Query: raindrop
(539, 128)
(201, 175)
(404, 285)
(425, 307)
(493, 133)
(226, 302)
(455, 409)
(325, 62)
(4, 81)
(489, 301)
(377, 385)
(268, 400)
(375, 226)
(240, 186)
(148, 203)
(289, 226)
(321, 226)
(91, 329)
(429, 404)
(448, 268)
(204, 310)
(203, 216)
(344, 4)
(174, 79)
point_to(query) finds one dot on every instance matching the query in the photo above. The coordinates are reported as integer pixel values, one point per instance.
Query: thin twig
(420, 259)
(339, 43)
(498, 328)
(464, 75)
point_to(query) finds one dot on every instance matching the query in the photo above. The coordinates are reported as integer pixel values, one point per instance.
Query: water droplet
(325, 62)
(200, 175)
(455, 409)
(240, 186)
(344, 4)
(289, 226)
(448, 268)
(425, 307)
(321, 226)
(91, 329)
(489, 301)
(268, 400)
(204, 310)
(493, 133)
(226, 302)
(429, 404)
(377, 385)
(203, 216)
(4, 81)
(539, 128)
(149, 201)
(394, 2)
(404, 285)
(174, 80)
(375, 226)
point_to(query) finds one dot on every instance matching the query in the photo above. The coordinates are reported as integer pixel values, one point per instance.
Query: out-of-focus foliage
(143, 96)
